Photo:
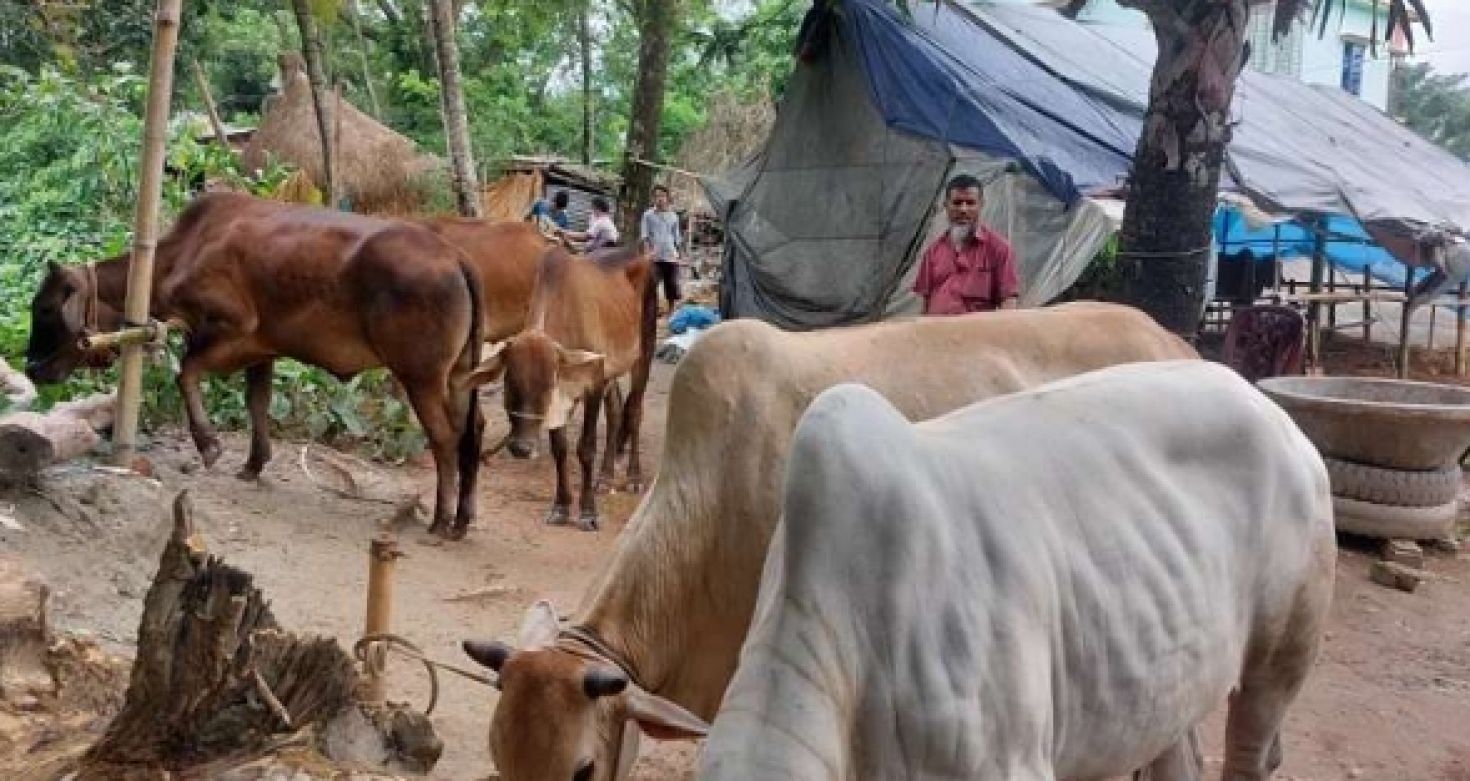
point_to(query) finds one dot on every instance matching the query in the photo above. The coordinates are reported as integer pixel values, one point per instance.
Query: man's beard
(960, 233)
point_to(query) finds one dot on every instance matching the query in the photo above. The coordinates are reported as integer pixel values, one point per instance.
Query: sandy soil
(1389, 700)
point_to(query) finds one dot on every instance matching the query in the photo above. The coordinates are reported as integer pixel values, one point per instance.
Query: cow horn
(490, 653)
(602, 682)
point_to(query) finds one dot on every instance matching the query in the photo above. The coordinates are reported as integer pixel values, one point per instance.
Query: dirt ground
(1390, 698)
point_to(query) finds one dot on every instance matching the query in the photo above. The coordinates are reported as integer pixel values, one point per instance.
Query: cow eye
(584, 773)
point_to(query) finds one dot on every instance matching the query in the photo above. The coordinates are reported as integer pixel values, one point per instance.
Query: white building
(1342, 56)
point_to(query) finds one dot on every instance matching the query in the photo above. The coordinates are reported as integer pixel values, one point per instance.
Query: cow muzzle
(521, 448)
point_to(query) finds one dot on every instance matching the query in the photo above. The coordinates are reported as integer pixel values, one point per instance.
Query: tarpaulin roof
(1067, 99)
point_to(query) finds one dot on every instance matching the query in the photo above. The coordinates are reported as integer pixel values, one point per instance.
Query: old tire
(1399, 487)
(1382, 520)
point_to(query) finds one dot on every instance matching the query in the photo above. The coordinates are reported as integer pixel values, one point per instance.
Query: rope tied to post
(407, 649)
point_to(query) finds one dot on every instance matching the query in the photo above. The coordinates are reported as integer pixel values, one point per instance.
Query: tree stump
(219, 686)
(215, 674)
(25, 636)
(31, 441)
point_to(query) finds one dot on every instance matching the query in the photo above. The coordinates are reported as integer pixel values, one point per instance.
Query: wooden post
(1367, 305)
(1433, 310)
(1314, 309)
(382, 553)
(145, 225)
(1404, 323)
(1460, 310)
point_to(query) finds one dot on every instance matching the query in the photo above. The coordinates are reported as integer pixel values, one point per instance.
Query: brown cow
(255, 280)
(77, 300)
(592, 320)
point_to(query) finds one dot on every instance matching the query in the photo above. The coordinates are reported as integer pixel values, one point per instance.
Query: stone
(1395, 575)
(1405, 552)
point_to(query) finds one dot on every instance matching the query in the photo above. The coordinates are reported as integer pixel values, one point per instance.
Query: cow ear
(492, 363)
(52, 267)
(661, 719)
(539, 628)
(578, 368)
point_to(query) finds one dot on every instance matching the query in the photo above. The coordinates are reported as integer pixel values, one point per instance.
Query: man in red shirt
(971, 268)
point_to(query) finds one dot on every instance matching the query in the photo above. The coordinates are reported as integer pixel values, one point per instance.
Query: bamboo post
(145, 224)
(209, 107)
(382, 553)
(1460, 329)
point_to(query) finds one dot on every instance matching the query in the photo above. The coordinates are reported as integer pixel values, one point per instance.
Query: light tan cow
(660, 630)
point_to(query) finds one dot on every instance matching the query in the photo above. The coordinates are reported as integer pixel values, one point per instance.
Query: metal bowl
(1395, 424)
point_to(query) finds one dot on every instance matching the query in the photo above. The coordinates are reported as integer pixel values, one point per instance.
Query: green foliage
(1437, 107)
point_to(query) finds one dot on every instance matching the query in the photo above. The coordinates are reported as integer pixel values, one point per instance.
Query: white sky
(1449, 52)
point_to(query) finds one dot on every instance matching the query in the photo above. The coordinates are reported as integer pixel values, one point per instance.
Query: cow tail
(469, 443)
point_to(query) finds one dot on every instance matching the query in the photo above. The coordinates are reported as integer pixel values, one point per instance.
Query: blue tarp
(947, 78)
(1348, 246)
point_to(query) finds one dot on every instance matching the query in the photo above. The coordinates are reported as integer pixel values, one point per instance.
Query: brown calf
(592, 321)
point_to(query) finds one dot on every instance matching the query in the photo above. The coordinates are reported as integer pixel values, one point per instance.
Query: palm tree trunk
(311, 51)
(655, 20)
(1167, 232)
(584, 37)
(456, 127)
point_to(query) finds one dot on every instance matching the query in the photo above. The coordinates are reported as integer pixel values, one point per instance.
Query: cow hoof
(248, 473)
(588, 522)
(457, 533)
(635, 486)
(605, 486)
(437, 528)
(558, 516)
(209, 452)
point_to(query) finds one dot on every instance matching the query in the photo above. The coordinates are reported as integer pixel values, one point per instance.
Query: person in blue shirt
(556, 211)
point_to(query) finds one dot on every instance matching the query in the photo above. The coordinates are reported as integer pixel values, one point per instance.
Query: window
(1269, 55)
(1352, 66)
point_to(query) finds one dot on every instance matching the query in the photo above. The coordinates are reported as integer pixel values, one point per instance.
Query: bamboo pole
(145, 224)
(153, 333)
(209, 107)
(382, 553)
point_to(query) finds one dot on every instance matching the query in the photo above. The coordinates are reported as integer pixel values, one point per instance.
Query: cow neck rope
(599, 648)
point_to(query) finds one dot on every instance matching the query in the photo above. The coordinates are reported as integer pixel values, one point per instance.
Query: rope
(1173, 254)
(408, 649)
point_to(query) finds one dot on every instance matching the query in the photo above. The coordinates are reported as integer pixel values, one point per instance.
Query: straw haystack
(733, 130)
(377, 169)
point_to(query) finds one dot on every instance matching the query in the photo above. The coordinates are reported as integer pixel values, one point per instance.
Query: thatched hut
(734, 129)
(376, 168)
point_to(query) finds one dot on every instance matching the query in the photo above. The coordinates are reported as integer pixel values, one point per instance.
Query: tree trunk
(202, 81)
(1167, 232)
(30, 441)
(456, 126)
(655, 20)
(311, 51)
(362, 55)
(584, 37)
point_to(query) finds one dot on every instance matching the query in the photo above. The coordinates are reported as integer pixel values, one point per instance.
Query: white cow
(1055, 584)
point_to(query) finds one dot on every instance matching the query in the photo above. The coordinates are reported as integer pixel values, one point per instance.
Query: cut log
(20, 392)
(31, 441)
(217, 682)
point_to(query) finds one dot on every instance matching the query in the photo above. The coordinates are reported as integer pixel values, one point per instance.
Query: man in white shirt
(659, 232)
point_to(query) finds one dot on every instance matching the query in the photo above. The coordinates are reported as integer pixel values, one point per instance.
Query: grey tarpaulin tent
(825, 223)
